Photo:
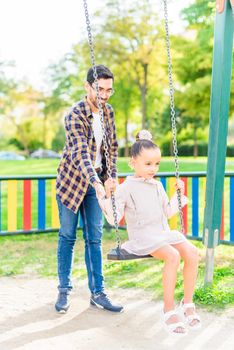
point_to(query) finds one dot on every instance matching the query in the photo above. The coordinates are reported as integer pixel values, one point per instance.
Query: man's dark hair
(102, 71)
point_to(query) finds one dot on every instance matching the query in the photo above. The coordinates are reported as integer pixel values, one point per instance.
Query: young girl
(143, 202)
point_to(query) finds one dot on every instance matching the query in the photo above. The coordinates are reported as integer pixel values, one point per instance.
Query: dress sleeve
(120, 202)
(170, 207)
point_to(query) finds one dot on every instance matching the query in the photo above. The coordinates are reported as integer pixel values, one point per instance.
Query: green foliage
(129, 38)
(214, 295)
(66, 79)
(58, 141)
(219, 293)
(132, 35)
(193, 67)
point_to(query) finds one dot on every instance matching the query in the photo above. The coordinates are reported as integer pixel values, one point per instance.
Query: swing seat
(121, 254)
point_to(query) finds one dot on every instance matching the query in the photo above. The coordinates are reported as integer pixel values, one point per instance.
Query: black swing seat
(121, 254)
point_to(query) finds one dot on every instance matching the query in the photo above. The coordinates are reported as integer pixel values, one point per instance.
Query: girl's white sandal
(172, 327)
(189, 319)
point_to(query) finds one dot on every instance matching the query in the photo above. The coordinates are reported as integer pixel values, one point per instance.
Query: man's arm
(80, 153)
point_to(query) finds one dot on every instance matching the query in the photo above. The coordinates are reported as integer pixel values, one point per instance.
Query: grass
(35, 255)
(49, 166)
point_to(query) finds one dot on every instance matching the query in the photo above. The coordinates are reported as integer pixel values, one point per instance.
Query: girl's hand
(180, 186)
(100, 192)
(110, 185)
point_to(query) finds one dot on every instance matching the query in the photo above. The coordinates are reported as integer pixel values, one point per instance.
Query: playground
(32, 193)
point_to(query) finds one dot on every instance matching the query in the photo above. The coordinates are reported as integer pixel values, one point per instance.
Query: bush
(187, 149)
(59, 140)
(230, 151)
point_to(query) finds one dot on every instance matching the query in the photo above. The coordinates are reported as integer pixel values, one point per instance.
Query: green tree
(132, 36)
(59, 139)
(193, 67)
(21, 110)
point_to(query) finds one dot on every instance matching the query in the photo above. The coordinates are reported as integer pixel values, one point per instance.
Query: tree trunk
(171, 149)
(44, 131)
(143, 98)
(21, 133)
(126, 149)
(195, 145)
(23, 139)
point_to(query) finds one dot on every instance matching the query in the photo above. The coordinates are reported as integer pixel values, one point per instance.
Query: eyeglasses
(102, 91)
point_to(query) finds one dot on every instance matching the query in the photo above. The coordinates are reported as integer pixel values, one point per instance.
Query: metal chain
(101, 114)
(172, 110)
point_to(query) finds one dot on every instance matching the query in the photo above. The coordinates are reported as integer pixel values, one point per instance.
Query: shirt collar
(87, 107)
(142, 179)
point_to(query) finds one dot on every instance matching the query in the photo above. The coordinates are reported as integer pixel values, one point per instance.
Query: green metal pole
(219, 109)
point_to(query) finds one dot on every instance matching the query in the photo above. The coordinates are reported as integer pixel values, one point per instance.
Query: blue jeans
(92, 218)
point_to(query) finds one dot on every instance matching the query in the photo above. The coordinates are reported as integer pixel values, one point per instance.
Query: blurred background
(44, 58)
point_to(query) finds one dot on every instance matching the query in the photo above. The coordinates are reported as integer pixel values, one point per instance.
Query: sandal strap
(188, 305)
(168, 314)
(173, 326)
(193, 317)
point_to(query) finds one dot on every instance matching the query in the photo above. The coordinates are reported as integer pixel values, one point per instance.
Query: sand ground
(28, 321)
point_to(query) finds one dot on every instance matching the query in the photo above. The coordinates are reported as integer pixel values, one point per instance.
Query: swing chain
(101, 114)
(172, 111)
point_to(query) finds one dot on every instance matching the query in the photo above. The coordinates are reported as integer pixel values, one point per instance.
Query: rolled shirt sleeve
(80, 153)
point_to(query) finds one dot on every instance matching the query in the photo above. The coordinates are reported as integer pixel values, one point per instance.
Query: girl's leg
(172, 260)
(189, 254)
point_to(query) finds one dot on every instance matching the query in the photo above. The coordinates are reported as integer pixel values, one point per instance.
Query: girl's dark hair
(102, 71)
(142, 143)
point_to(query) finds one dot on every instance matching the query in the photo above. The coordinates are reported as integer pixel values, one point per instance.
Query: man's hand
(110, 186)
(180, 186)
(100, 191)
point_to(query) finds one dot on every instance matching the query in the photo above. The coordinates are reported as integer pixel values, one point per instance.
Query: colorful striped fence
(28, 204)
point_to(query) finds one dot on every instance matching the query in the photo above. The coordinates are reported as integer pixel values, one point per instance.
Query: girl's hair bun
(144, 135)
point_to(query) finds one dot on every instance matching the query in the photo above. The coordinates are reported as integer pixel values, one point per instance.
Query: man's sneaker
(102, 301)
(62, 303)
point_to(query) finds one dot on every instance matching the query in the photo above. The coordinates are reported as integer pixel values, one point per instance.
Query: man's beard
(95, 102)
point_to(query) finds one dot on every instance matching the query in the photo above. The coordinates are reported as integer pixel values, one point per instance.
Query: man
(79, 182)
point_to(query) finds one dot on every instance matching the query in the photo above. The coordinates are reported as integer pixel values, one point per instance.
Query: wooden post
(219, 109)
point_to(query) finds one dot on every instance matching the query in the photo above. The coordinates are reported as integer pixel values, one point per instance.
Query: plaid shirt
(76, 169)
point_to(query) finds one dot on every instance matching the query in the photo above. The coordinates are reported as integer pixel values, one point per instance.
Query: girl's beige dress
(146, 208)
